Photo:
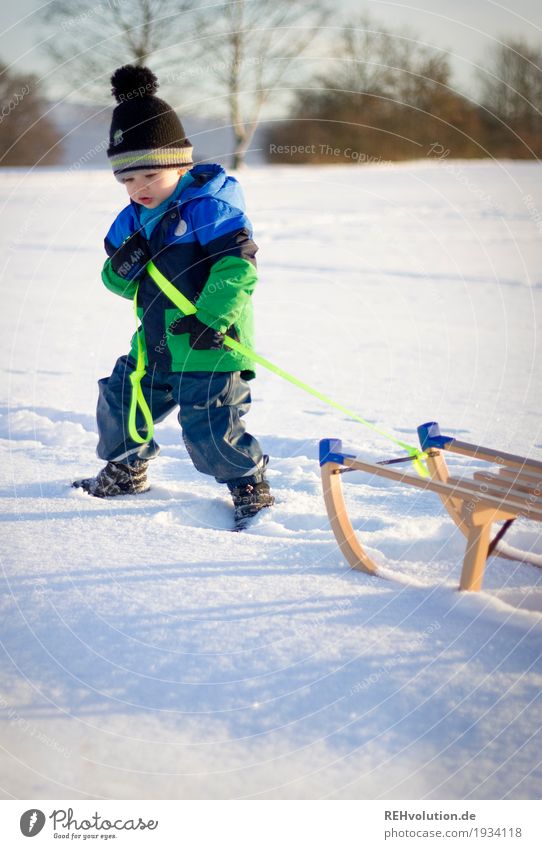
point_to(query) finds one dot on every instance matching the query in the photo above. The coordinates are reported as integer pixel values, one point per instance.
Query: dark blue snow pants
(211, 405)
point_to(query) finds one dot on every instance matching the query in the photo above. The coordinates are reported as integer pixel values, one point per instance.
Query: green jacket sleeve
(116, 284)
(226, 293)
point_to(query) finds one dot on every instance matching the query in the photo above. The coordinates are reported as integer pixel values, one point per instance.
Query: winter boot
(249, 498)
(117, 479)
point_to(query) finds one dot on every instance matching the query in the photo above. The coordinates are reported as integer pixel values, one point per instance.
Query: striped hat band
(164, 157)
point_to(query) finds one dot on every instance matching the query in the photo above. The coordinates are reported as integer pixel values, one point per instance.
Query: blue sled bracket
(331, 451)
(430, 436)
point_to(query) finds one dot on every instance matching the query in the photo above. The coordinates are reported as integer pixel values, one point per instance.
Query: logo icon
(117, 138)
(181, 228)
(32, 822)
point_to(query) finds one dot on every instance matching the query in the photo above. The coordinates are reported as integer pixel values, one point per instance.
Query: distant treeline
(27, 135)
(382, 95)
(390, 99)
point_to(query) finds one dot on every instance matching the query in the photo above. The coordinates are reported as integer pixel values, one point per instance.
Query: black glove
(130, 259)
(202, 337)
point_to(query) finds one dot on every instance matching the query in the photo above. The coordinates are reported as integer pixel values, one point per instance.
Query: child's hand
(130, 259)
(202, 337)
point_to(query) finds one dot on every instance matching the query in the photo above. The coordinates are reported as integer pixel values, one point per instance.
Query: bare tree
(27, 136)
(254, 45)
(372, 59)
(88, 40)
(242, 50)
(511, 96)
(511, 86)
(365, 54)
(383, 95)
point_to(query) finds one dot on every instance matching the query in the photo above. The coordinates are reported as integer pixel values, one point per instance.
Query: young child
(190, 222)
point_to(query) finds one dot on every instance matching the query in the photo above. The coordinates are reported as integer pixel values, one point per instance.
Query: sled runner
(473, 503)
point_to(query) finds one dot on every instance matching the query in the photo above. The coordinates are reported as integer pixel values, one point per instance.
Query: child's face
(150, 188)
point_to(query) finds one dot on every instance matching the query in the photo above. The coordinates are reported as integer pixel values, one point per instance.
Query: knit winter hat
(145, 131)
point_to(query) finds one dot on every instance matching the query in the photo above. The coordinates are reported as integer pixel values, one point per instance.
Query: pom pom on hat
(133, 81)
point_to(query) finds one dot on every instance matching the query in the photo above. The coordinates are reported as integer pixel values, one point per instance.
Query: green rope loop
(137, 399)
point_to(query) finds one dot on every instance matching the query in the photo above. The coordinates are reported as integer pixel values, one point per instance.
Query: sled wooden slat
(514, 483)
(453, 488)
(513, 474)
(473, 504)
(524, 504)
(500, 458)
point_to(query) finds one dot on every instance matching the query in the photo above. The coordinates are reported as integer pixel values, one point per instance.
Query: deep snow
(147, 651)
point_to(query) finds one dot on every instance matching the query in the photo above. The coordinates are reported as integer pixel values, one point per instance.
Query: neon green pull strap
(180, 301)
(138, 399)
(410, 449)
(188, 308)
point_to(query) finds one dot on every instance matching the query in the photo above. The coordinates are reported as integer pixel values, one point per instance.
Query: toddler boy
(191, 224)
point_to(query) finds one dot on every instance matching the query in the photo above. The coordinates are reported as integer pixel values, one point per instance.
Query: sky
(465, 28)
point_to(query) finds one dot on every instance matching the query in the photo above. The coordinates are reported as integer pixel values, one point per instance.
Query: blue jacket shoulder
(212, 181)
(216, 204)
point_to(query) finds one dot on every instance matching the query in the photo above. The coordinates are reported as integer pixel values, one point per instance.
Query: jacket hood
(211, 180)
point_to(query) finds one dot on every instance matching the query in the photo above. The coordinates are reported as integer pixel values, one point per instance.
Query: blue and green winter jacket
(203, 245)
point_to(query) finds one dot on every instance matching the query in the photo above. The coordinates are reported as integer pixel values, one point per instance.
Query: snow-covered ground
(148, 652)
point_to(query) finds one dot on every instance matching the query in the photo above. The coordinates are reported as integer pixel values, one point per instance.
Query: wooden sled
(473, 503)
